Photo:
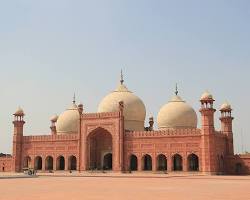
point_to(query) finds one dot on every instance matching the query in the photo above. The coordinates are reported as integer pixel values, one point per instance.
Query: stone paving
(125, 186)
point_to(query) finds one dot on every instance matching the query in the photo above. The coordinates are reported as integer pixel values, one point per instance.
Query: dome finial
(122, 80)
(74, 98)
(176, 89)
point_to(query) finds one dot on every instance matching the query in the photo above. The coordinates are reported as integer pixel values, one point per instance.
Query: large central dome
(176, 114)
(134, 108)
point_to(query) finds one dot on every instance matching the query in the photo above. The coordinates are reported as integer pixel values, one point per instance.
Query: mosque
(116, 139)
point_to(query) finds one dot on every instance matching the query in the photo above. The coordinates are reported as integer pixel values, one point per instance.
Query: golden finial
(122, 80)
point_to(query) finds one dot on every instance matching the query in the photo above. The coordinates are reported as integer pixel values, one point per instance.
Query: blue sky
(51, 49)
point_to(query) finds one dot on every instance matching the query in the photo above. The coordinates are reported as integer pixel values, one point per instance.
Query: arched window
(133, 163)
(60, 163)
(147, 162)
(161, 162)
(193, 162)
(177, 162)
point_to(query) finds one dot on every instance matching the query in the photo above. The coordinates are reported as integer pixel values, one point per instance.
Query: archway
(177, 162)
(38, 163)
(193, 162)
(238, 168)
(27, 162)
(72, 163)
(161, 162)
(107, 161)
(60, 163)
(133, 163)
(49, 163)
(147, 162)
(100, 149)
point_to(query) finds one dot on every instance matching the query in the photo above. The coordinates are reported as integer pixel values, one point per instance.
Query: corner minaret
(208, 164)
(226, 126)
(207, 113)
(18, 140)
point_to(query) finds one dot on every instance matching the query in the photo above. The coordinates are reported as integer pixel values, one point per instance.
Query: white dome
(134, 108)
(225, 106)
(206, 96)
(68, 121)
(54, 118)
(176, 114)
(19, 112)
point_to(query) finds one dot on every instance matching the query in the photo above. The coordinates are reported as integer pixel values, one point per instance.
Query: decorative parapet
(164, 133)
(43, 138)
(101, 115)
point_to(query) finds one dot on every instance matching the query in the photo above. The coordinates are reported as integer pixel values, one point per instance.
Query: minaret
(17, 140)
(226, 126)
(207, 134)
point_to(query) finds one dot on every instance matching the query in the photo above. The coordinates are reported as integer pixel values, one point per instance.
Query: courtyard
(125, 186)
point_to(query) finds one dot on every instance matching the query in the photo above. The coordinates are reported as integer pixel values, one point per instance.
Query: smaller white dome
(225, 106)
(68, 121)
(206, 96)
(176, 114)
(19, 112)
(54, 118)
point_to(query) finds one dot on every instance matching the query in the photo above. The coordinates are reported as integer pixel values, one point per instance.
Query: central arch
(100, 150)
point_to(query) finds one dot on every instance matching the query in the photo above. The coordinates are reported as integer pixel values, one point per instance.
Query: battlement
(164, 133)
(101, 115)
(39, 138)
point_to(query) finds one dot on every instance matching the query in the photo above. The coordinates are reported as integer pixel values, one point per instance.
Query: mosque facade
(116, 139)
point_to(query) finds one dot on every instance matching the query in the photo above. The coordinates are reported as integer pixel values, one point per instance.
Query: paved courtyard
(119, 187)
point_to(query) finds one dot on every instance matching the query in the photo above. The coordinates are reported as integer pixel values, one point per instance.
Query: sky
(50, 50)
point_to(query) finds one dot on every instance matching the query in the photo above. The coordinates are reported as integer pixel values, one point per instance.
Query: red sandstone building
(115, 139)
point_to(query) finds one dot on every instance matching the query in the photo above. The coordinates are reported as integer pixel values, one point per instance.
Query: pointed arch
(177, 162)
(161, 162)
(38, 163)
(193, 162)
(133, 164)
(27, 162)
(49, 163)
(147, 162)
(72, 162)
(60, 163)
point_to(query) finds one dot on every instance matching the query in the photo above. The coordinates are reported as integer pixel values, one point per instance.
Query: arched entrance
(107, 161)
(161, 162)
(60, 163)
(147, 162)
(238, 168)
(27, 162)
(177, 162)
(133, 163)
(100, 150)
(49, 163)
(72, 163)
(38, 163)
(193, 162)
